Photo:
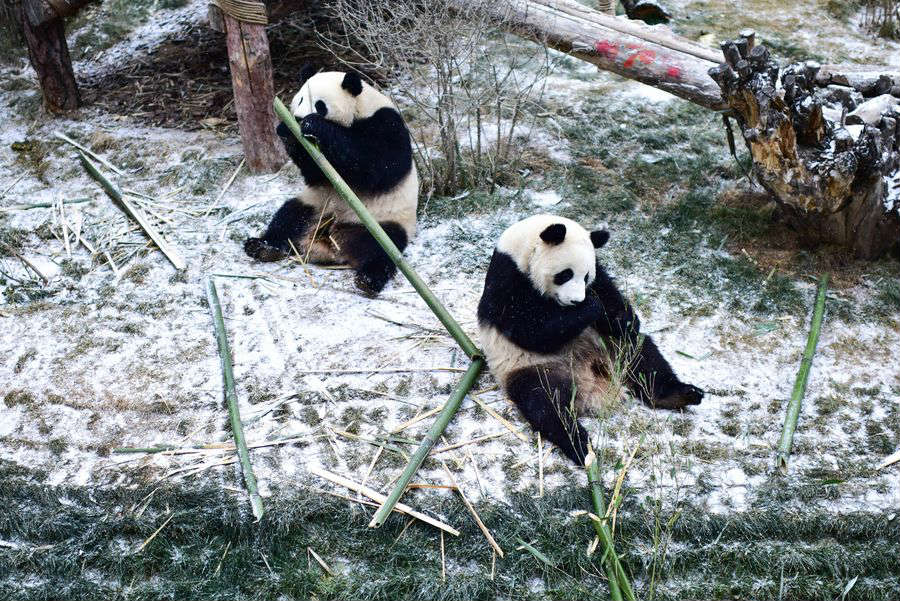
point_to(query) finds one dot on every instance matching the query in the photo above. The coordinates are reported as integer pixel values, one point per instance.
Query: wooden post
(49, 56)
(254, 92)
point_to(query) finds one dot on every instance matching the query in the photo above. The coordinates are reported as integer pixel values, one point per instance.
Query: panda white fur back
(551, 323)
(361, 133)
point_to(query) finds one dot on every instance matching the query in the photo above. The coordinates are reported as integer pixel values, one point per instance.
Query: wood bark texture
(651, 55)
(251, 79)
(837, 182)
(49, 55)
(42, 11)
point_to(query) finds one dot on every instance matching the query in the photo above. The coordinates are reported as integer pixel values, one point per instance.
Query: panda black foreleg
(288, 225)
(544, 396)
(650, 378)
(374, 269)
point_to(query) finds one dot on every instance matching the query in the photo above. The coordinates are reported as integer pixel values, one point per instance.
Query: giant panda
(361, 133)
(551, 323)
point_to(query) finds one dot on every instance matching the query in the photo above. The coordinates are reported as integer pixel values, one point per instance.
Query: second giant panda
(364, 137)
(550, 321)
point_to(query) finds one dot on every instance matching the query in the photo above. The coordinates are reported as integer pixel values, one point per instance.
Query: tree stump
(836, 177)
(49, 55)
(254, 93)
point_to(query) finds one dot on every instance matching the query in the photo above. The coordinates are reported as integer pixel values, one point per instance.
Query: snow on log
(835, 175)
(650, 55)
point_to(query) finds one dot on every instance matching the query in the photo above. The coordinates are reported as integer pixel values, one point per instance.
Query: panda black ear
(352, 83)
(554, 234)
(307, 71)
(599, 238)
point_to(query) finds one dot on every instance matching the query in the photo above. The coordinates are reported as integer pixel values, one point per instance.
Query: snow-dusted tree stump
(828, 155)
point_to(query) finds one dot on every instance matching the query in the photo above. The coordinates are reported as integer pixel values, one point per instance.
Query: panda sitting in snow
(552, 321)
(361, 133)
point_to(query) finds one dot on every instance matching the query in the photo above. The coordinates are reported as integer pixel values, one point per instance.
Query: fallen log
(651, 55)
(836, 177)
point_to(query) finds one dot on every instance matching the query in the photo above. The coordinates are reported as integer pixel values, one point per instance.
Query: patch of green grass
(97, 27)
(711, 555)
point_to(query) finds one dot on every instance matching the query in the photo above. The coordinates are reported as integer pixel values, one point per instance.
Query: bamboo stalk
(793, 410)
(379, 234)
(42, 205)
(453, 403)
(88, 151)
(484, 530)
(378, 497)
(237, 429)
(614, 571)
(170, 251)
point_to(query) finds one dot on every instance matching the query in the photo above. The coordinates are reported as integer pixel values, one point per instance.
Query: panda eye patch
(562, 277)
(586, 278)
(321, 108)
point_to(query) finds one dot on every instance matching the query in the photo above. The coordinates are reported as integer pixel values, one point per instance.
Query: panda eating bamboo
(553, 328)
(364, 137)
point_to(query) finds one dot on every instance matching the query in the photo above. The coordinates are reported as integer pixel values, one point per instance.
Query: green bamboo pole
(793, 410)
(453, 403)
(618, 580)
(237, 428)
(378, 233)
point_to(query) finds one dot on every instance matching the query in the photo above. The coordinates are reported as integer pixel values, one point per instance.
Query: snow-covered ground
(107, 361)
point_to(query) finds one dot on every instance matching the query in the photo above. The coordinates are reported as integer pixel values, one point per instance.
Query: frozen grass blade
(793, 410)
(234, 415)
(619, 585)
(447, 413)
(378, 233)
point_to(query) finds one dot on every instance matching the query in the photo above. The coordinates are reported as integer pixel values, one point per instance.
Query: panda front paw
(311, 124)
(261, 250)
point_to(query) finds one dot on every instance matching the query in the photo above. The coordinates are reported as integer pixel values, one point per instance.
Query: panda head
(339, 97)
(556, 254)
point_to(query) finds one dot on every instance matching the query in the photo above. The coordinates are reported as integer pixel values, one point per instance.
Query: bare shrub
(472, 90)
(883, 17)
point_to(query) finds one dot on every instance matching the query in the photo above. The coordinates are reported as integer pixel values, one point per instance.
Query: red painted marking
(607, 49)
(645, 56)
(674, 72)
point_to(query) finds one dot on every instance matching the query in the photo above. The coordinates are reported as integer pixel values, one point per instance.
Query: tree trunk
(49, 56)
(42, 11)
(251, 80)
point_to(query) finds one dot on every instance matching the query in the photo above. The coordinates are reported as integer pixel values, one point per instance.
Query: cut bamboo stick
(475, 516)
(509, 426)
(234, 415)
(88, 151)
(618, 580)
(453, 403)
(793, 410)
(167, 249)
(379, 234)
(380, 498)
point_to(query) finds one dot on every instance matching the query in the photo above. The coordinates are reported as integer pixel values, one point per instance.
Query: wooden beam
(254, 93)
(650, 55)
(50, 59)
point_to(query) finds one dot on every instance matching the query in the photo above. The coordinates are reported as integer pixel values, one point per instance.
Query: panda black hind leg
(544, 396)
(652, 379)
(287, 226)
(373, 267)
